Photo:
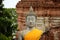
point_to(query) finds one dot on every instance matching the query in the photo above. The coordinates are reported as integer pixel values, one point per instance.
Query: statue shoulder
(23, 32)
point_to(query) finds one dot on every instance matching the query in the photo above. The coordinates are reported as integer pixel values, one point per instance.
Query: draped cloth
(34, 34)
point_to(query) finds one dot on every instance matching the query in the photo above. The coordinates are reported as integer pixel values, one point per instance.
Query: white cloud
(10, 3)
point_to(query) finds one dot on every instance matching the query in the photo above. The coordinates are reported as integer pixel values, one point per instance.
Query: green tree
(3, 37)
(8, 20)
(3, 23)
(1, 8)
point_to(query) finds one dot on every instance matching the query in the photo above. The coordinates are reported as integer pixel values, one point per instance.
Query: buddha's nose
(30, 22)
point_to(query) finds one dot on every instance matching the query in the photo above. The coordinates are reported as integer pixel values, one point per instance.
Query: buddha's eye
(31, 18)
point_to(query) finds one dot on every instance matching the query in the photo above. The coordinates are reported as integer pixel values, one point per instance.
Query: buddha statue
(31, 32)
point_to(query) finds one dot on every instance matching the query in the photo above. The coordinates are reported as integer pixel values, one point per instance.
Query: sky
(10, 3)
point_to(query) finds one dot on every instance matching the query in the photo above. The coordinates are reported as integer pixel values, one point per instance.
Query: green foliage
(3, 37)
(8, 21)
(5, 23)
(1, 7)
(1, 1)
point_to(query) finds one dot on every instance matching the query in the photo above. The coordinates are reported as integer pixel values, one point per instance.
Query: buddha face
(31, 21)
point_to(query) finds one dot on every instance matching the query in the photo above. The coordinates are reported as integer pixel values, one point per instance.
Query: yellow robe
(34, 34)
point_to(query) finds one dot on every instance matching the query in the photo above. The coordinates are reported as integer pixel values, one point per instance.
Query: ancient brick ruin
(48, 10)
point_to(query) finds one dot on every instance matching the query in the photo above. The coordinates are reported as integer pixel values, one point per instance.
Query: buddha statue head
(31, 18)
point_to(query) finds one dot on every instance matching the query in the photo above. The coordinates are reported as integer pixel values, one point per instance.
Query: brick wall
(42, 8)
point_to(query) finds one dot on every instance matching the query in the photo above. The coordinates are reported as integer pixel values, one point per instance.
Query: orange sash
(34, 34)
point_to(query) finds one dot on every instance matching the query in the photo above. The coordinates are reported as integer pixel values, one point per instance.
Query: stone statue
(31, 32)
